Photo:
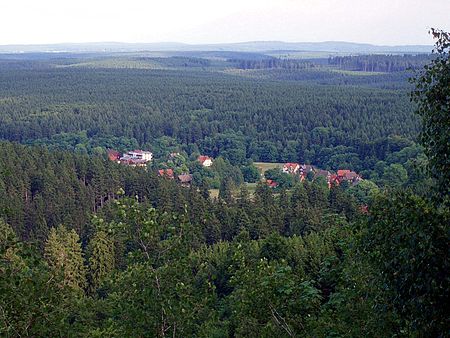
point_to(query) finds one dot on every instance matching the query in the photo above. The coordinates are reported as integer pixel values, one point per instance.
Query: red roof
(113, 155)
(291, 165)
(271, 183)
(351, 175)
(343, 172)
(166, 173)
(203, 158)
(346, 175)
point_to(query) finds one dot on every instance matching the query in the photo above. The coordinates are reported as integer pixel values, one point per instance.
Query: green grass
(264, 166)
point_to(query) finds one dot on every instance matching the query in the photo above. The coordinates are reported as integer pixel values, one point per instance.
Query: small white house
(205, 161)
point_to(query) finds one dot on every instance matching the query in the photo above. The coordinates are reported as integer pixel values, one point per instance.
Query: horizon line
(211, 43)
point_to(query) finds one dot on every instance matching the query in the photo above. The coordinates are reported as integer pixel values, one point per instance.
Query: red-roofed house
(291, 168)
(205, 161)
(334, 179)
(167, 173)
(347, 175)
(342, 172)
(113, 155)
(271, 183)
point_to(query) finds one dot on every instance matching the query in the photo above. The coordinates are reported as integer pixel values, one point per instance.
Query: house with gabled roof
(291, 168)
(113, 155)
(166, 173)
(347, 175)
(185, 179)
(205, 161)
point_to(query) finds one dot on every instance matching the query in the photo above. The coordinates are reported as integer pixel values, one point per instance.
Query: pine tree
(101, 259)
(65, 258)
(225, 191)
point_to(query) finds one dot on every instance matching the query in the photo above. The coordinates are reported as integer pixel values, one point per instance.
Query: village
(303, 170)
(170, 169)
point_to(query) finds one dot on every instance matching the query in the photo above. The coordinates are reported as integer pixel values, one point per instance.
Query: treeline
(272, 63)
(396, 81)
(380, 63)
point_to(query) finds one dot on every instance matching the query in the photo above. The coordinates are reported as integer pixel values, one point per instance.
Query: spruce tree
(65, 258)
(101, 259)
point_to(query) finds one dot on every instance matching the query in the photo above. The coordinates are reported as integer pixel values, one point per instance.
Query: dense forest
(93, 248)
(272, 119)
(270, 63)
(380, 63)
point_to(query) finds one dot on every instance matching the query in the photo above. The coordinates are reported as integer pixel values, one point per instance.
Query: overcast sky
(210, 21)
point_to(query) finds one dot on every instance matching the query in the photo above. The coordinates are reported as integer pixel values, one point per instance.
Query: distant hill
(252, 46)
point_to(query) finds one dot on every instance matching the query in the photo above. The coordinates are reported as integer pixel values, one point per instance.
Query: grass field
(264, 166)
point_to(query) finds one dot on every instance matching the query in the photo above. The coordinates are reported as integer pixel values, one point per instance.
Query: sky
(386, 22)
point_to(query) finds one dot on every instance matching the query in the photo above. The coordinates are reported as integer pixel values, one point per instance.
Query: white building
(205, 161)
(139, 155)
